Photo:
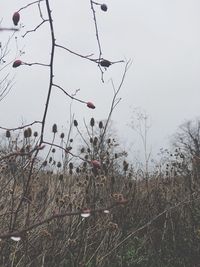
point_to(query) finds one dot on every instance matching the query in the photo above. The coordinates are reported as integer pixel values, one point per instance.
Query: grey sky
(160, 36)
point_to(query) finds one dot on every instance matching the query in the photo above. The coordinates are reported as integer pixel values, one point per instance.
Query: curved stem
(51, 69)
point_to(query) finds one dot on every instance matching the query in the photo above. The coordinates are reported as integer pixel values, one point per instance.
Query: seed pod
(75, 123)
(17, 63)
(105, 63)
(16, 18)
(54, 128)
(104, 7)
(90, 105)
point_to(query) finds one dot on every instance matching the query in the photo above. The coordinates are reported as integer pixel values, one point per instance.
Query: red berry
(104, 7)
(17, 63)
(15, 18)
(90, 105)
(96, 164)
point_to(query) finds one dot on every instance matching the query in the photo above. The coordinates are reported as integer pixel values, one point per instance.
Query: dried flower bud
(90, 105)
(17, 63)
(54, 128)
(16, 18)
(105, 63)
(104, 7)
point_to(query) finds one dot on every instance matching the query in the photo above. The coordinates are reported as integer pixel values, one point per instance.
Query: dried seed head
(35, 134)
(104, 7)
(92, 122)
(26, 133)
(54, 128)
(75, 123)
(53, 150)
(125, 166)
(29, 132)
(71, 140)
(8, 134)
(100, 125)
(105, 63)
(71, 166)
(44, 163)
(95, 141)
(59, 164)
(62, 135)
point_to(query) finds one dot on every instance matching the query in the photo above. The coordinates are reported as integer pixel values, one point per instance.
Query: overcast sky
(162, 37)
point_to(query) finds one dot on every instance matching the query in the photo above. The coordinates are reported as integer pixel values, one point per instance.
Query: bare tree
(187, 141)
